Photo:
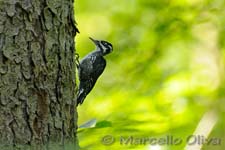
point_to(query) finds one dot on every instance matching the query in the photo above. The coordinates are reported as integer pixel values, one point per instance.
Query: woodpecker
(91, 67)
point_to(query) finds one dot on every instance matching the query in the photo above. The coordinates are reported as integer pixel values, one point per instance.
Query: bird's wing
(86, 67)
(98, 68)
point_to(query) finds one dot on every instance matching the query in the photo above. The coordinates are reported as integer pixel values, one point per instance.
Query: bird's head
(103, 46)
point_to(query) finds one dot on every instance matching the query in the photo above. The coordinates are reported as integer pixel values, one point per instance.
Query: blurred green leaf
(103, 124)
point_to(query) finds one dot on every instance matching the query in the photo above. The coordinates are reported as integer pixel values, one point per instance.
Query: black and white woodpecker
(91, 67)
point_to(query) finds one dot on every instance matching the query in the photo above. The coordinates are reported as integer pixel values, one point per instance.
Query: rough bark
(37, 71)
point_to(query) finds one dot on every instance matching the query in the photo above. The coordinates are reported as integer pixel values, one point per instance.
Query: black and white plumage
(91, 67)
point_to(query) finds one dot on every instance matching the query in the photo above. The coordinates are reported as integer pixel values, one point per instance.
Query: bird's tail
(80, 97)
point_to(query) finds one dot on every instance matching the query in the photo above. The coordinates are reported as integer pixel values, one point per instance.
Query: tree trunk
(37, 71)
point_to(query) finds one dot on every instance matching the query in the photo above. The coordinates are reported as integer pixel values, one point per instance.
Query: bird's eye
(106, 44)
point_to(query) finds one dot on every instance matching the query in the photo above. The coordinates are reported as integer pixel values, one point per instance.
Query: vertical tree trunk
(37, 71)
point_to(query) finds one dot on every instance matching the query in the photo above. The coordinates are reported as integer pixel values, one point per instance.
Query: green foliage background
(165, 75)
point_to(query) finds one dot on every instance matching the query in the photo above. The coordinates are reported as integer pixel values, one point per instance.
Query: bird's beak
(93, 40)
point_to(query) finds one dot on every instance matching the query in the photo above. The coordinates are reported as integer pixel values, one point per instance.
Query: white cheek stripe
(104, 49)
